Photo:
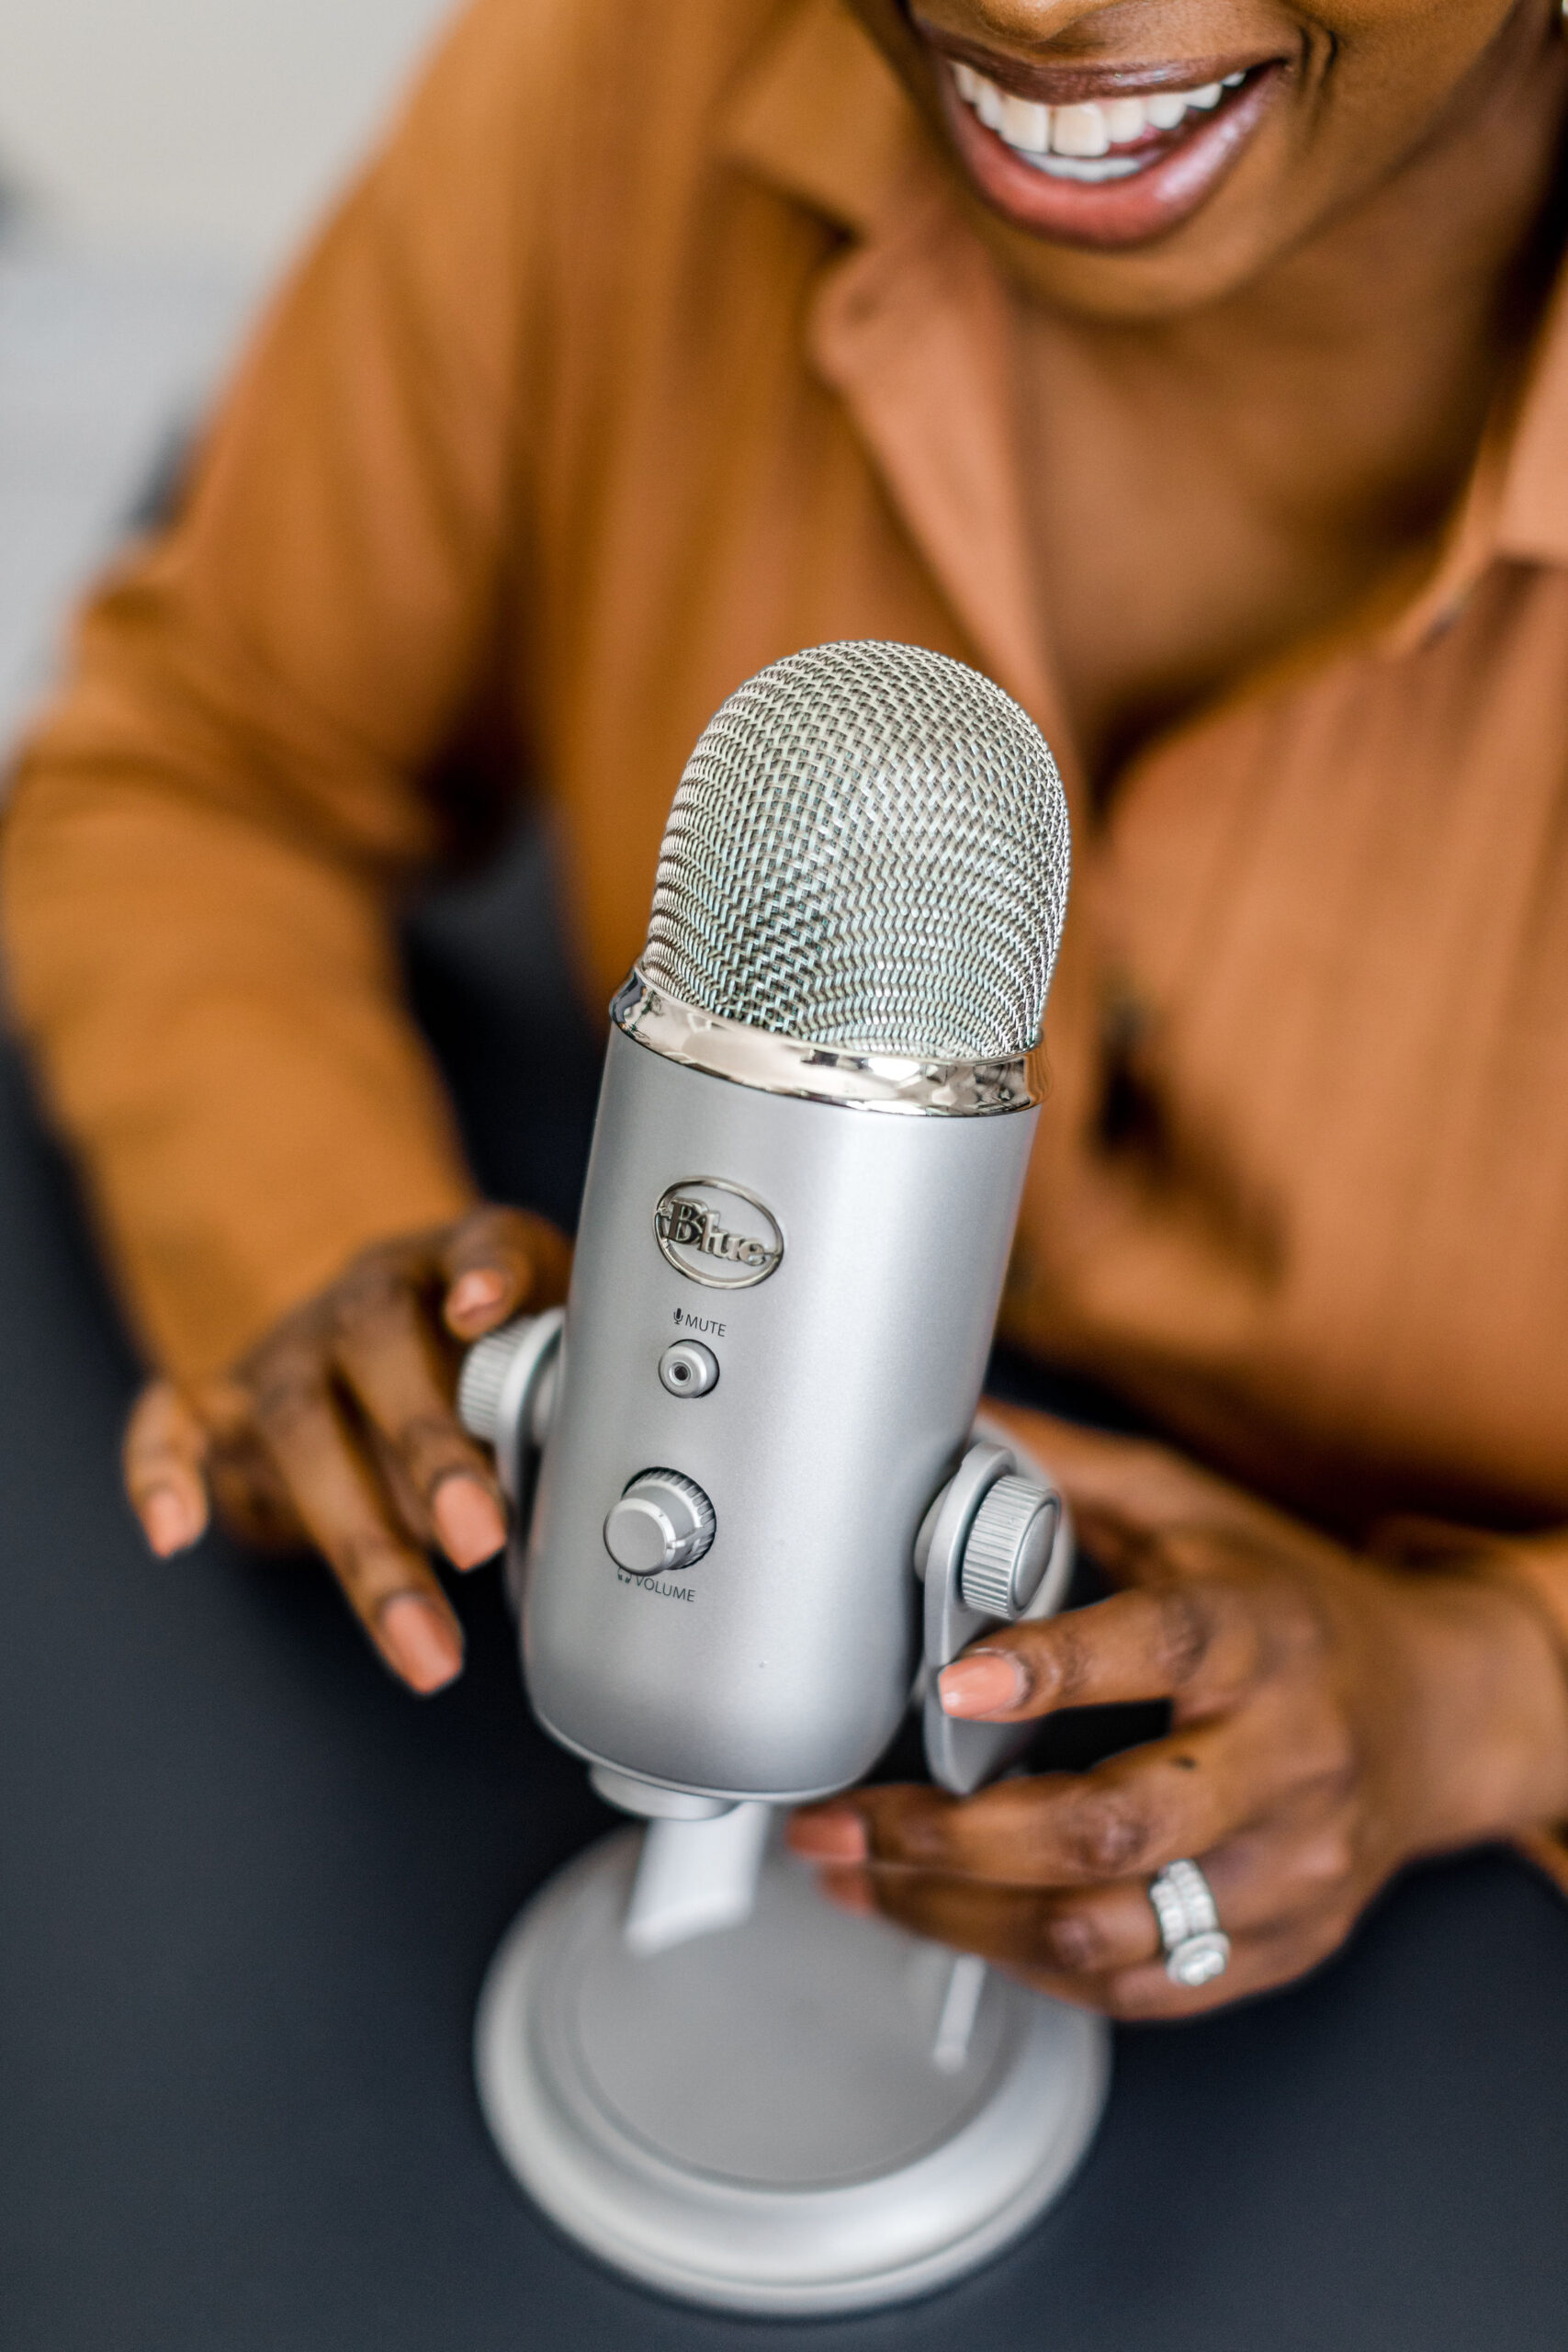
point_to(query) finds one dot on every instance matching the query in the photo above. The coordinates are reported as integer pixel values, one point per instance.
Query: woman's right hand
(339, 1429)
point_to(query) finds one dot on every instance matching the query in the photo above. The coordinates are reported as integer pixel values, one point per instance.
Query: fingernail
(169, 1520)
(467, 1519)
(850, 1890)
(421, 1645)
(986, 1682)
(832, 1835)
(475, 1294)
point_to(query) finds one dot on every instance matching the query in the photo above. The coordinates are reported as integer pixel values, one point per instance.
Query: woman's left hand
(1331, 1719)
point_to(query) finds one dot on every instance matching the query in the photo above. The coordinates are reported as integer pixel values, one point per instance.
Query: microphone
(732, 1476)
(817, 1105)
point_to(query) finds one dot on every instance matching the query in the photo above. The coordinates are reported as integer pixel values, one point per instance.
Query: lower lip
(1129, 212)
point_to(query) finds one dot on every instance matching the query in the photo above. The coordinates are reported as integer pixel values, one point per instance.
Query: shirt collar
(822, 115)
(910, 324)
(1513, 508)
(1532, 501)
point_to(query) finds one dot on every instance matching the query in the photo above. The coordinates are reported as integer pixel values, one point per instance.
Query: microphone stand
(726, 2086)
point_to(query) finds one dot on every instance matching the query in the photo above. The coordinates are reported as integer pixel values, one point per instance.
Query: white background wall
(167, 153)
(210, 128)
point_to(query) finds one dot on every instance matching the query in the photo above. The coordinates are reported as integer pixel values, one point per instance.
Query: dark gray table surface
(248, 1890)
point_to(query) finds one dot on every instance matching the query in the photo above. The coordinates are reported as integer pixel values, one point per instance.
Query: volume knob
(1009, 1546)
(662, 1522)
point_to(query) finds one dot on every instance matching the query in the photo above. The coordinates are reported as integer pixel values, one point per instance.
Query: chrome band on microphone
(866, 1078)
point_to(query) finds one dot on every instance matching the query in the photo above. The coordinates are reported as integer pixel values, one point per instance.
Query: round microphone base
(811, 2113)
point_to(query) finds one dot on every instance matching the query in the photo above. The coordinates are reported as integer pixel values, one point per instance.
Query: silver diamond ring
(1197, 1949)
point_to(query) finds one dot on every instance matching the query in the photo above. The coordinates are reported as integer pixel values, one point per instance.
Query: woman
(1194, 367)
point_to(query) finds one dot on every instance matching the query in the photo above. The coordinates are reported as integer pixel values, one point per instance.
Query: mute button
(688, 1369)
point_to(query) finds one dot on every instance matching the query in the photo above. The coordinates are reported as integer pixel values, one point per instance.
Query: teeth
(1073, 142)
(1078, 131)
(1027, 126)
(1068, 167)
(1125, 120)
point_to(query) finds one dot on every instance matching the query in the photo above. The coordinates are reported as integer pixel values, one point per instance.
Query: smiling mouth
(1112, 166)
(1094, 142)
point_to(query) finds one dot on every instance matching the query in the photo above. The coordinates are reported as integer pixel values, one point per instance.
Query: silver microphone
(817, 1113)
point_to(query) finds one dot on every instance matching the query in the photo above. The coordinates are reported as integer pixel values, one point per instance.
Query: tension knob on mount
(506, 1392)
(996, 1545)
(1008, 1547)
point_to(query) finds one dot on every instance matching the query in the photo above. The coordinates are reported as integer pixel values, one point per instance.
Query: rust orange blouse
(655, 344)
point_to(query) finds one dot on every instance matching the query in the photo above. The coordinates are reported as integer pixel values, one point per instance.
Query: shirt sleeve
(208, 832)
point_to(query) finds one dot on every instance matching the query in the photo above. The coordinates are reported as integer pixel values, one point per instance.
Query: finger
(997, 1924)
(497, 1262)
(1198, 1640)
(250, 1498)
(1130, 1815)
(410, 1507)
(387, 1581)
(1016, 1931)
(165, 1459)
(1262, 1883)
(386, 1352)
(1258, 1963)
(1008, 1926)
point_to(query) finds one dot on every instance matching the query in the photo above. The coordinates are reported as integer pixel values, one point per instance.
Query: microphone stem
(695, 1878)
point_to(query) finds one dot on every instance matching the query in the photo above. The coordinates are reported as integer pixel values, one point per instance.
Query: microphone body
(817, 1114)
(846, 1348)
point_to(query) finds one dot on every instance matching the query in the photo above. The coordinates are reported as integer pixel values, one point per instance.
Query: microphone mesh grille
(869, 847)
